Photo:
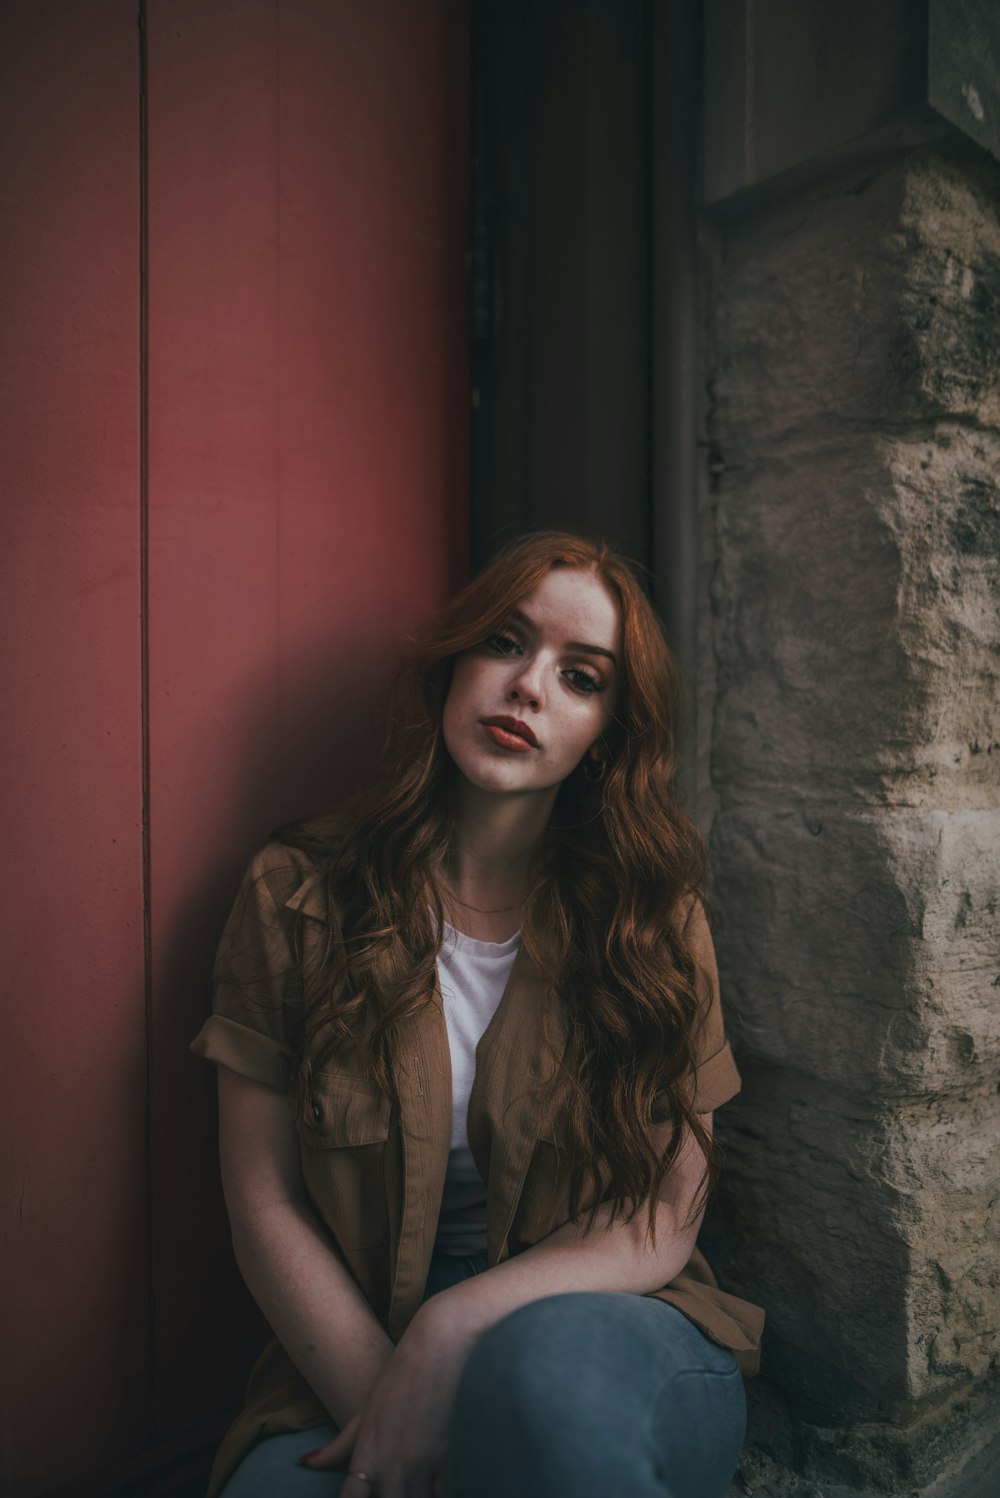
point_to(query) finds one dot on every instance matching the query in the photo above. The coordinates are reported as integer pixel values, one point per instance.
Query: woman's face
(524, 707)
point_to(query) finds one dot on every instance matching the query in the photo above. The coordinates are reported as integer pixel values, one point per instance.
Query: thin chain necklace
(500, 910)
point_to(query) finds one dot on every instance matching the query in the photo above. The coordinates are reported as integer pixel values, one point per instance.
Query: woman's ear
(598, 750)
(595, 762)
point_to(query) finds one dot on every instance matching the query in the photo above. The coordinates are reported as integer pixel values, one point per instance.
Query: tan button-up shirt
(375, 1176)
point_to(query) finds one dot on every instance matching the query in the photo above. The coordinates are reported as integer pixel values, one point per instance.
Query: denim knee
(272, 1468)
(592, 1392)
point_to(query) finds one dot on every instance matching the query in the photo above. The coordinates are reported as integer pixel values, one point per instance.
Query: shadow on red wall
(235, 447)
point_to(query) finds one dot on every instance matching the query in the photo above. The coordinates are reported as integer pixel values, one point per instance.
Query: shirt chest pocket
(344, 1132)
(544, 1202)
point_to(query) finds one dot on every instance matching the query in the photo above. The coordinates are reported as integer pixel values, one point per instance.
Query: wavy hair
(618, 859)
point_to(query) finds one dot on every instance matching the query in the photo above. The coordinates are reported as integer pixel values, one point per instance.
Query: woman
(491, 1001)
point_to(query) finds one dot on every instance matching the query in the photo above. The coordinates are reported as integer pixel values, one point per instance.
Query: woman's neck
(487, 870)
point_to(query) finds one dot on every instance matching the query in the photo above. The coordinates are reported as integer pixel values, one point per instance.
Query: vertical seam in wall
(657, 270)
(277, 377)
(528, 281)
(750, 95)
(647, 251)
(144, 699)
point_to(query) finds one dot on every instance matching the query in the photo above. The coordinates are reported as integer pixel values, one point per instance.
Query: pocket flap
(342, 1111)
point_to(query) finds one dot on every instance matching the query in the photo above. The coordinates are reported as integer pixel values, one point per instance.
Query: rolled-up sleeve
(255, 984)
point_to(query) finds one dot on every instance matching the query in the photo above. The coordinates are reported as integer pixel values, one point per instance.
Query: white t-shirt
(473, 975)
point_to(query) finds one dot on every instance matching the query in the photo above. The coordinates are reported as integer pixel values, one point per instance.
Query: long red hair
(618, 860)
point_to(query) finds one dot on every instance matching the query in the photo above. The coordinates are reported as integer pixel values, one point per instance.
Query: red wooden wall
(233, 455)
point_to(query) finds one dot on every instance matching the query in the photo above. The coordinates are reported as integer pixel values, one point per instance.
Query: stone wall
(850, 731)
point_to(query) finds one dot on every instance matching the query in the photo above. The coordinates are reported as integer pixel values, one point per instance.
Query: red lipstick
(510, 733)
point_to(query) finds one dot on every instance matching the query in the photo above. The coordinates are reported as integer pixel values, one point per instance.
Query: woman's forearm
(611, 1258)
(313, 1304)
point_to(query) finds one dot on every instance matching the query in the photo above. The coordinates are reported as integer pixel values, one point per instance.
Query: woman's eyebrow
(591, 650)
(529, 623)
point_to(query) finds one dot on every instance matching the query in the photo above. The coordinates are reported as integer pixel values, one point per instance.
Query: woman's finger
(354, 1487)
(336, 1452)
(413, 1483)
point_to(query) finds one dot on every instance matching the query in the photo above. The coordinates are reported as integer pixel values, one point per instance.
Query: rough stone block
(880, 289)
(857, 621)
(861, 949)
(870, 1234)
(854, 758)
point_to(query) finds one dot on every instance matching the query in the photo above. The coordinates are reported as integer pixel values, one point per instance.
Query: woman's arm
(311, 1300)
(619, 1257)
(403, 1429)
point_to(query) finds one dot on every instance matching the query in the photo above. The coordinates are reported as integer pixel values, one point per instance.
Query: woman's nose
(526, 686)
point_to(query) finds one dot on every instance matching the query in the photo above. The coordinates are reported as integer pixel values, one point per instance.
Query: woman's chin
(500, 779)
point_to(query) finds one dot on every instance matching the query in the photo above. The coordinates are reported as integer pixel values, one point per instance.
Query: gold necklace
(500, 910)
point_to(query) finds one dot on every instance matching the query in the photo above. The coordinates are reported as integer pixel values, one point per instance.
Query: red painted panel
(308, 432)
(74, 1334)
(213, 485)
(372, 288)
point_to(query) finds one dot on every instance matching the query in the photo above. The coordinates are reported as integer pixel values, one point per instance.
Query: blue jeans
(590, 1394)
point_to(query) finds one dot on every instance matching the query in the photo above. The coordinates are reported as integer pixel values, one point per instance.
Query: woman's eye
(502, 644)
(583, 681)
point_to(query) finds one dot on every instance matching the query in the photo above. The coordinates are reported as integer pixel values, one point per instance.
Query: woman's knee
(604, 1383)
(532, 1353)
(593, 1343)
(697, 1419)
(524, 1419)
(273, 1469)
(568, 1369)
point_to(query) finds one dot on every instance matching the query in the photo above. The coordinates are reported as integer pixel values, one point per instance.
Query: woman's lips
(506, 739)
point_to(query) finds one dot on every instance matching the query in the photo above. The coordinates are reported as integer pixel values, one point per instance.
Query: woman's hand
(400, 1436)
